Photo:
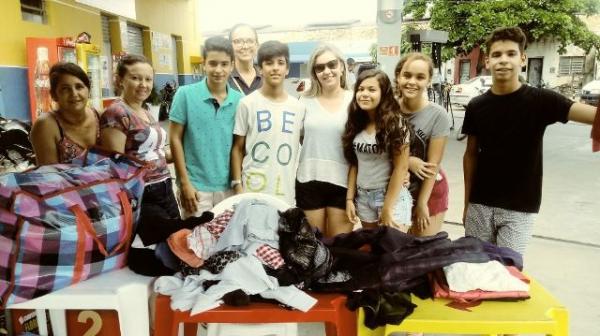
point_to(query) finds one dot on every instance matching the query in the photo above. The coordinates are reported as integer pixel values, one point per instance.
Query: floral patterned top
(145, 140)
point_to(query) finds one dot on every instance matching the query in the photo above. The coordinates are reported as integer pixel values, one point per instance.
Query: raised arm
(582, 113)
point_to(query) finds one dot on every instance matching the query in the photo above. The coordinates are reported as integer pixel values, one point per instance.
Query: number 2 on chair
(86, 315)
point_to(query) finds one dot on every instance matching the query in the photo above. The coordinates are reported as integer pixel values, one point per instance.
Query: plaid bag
(64, 223)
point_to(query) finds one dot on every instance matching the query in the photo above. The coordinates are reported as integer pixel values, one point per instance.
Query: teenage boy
(503, 159)
(267, 131)
(202, 118)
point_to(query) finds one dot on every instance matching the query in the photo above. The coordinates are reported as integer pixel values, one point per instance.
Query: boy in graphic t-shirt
(267, 131)
(503, 158)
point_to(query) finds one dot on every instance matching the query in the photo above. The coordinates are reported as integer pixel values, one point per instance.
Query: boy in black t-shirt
(503, 159)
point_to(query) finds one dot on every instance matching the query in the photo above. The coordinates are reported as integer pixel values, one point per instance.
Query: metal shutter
(135, 40)
(105, 29)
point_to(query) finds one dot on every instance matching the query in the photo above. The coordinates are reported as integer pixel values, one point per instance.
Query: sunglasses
(331, 65)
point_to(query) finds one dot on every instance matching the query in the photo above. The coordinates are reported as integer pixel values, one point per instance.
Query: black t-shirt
(509, 130)
(235, 81)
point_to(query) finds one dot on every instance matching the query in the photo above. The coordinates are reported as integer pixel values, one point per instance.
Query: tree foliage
(469, 22)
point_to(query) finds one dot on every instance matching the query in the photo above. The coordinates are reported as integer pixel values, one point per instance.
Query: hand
(351, 212)
(387, 219)
(421, 168)
(188, 197)
(421, 217)
(238, 189)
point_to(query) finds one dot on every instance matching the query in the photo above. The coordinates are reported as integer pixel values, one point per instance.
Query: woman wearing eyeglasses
(245, 76)
(322, 175)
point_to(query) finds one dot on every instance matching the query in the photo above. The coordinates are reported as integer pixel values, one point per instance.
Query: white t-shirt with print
(272, 132)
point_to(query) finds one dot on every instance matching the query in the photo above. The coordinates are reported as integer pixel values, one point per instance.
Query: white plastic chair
(230, 201)
(251, 329)
(121, 290)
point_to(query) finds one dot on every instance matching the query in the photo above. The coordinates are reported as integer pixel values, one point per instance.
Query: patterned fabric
(201, 241)
(219, 223)
(145, 141)
(68, 149)
(64, 223)
(269, 256)
(215, 264)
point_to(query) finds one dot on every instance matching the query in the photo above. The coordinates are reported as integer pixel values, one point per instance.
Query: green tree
(468, 22)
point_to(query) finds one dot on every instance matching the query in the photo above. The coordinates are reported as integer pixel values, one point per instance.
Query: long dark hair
(392, 130)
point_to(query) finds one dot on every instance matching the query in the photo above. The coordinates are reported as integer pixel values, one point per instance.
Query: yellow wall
(69, 18)
(173, 17)
(64, 19)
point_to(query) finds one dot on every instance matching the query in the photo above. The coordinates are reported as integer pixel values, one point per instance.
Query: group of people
(364, 153)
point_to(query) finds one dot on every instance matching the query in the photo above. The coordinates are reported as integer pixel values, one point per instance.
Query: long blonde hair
(315, 87)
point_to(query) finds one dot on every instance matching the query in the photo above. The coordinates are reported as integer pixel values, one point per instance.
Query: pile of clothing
(255, 250)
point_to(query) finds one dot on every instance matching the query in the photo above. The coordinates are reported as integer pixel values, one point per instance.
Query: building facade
(165, 31)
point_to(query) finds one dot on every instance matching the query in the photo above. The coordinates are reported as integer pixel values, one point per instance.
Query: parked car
(461, 94)
(303, 85)
(590, 93)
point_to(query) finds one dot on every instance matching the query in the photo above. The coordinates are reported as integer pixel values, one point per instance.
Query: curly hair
(392, 130)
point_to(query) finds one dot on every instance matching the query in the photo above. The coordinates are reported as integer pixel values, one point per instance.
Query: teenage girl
(376, 144)
(429, 186)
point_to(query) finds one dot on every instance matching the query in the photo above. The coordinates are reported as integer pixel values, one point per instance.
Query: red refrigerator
(42, 53)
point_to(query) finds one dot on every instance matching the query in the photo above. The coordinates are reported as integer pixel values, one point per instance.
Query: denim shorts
(369, 203)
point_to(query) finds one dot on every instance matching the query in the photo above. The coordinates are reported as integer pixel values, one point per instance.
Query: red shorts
(438, 201)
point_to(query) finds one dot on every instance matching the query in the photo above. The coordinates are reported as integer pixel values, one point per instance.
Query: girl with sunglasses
(322, 175)
(376, 144)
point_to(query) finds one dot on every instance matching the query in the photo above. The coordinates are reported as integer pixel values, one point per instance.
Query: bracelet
(349, 199)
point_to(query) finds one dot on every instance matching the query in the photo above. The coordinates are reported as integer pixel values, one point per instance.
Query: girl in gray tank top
(375, 143)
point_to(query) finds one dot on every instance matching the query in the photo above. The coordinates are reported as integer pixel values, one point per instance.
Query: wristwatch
(234, 183)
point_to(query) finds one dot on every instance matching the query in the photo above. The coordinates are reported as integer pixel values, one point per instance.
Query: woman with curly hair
(376, 144)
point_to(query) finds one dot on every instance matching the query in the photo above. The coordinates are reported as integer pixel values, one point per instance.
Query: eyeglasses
(247, 41)
(331, 65)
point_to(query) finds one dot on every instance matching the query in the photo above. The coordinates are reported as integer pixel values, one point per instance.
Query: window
(570, 65)
(33, 10)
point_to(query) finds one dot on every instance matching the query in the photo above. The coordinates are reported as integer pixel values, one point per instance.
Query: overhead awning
(300, 51)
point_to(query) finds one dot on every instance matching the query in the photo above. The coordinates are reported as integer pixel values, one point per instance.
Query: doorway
(534, 71)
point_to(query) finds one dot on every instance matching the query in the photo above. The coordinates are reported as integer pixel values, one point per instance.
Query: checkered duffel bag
(61, 224)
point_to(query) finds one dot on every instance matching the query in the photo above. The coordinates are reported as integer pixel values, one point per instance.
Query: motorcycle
(167, 93)
(16, 151)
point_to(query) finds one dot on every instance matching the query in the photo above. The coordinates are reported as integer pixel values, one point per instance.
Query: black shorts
(317, 195)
